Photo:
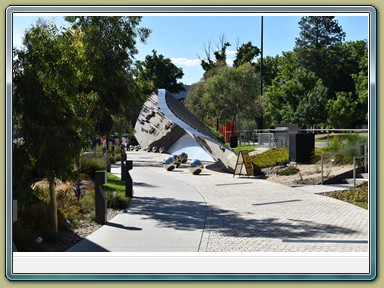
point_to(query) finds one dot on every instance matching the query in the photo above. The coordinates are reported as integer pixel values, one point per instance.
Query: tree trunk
(52, 194)
(233, 124)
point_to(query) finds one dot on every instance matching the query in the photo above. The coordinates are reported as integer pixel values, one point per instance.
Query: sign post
(243, 159)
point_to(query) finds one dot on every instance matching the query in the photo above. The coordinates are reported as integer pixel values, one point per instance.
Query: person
(104, 146)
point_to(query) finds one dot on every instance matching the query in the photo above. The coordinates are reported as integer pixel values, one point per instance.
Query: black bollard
(128, 179)
(100, 200)
(123, 159)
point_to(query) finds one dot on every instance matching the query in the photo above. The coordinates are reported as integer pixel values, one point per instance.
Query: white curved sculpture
(165, 122)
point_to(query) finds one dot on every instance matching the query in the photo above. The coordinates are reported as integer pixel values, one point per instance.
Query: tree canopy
(303, 86)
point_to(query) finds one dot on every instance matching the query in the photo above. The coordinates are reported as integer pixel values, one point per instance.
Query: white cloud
(186, 62)
(231, 52)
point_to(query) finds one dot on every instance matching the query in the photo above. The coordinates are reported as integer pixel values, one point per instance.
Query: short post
(100, 200)
(123, 159)
(14, 210)
(128, 179)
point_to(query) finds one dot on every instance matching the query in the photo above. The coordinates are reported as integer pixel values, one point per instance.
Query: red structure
(228, 130)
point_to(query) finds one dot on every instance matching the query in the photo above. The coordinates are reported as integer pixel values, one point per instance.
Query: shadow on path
(191, 215)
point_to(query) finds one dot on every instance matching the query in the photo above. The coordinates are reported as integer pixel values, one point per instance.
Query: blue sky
(182, 38)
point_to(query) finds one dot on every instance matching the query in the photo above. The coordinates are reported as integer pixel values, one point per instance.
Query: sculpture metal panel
(163, 121)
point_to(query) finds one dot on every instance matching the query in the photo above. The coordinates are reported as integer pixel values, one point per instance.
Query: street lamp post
(261, 74)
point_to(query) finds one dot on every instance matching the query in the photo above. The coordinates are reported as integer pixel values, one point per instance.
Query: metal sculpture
(195, 167)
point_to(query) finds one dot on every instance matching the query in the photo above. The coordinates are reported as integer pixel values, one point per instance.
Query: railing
(365, 156)
(250, 137)
(365, 144)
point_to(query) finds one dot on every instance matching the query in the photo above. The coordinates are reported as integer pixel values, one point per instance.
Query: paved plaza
(216, 212)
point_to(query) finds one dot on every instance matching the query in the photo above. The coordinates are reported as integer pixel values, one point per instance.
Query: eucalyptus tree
(232, 91)
(110, 46)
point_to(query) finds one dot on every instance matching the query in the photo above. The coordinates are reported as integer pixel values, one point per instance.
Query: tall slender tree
(319, 39)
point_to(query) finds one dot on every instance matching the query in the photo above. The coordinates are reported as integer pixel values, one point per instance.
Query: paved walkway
(216, 212)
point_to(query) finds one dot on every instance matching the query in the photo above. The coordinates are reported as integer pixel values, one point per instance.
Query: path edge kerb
(205, 235)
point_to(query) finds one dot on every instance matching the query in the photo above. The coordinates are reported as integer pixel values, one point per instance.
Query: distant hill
(182, 94)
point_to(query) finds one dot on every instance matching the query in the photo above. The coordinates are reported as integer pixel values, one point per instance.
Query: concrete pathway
(216, 212)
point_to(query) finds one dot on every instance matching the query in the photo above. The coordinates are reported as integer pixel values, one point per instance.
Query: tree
(271, 66)
(310, 111)
(245, 54)
(211, 66)
(156, 71)
(110, 46)
(341, 111)
(318, 40)
(196, 102)
(50, 104)
(233, 90)
(361, 83)
(295, 96)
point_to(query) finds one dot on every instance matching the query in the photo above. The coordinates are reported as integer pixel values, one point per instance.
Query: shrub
(25, 239)
(270, 157)
(291, 170)
(344, 141)
(357, 196)
(91, 164)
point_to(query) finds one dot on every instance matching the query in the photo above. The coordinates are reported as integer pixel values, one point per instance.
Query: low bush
(245, 147)
(270, 157)
(357, 196)
(291, 170)
(345, 141)
(91, 164)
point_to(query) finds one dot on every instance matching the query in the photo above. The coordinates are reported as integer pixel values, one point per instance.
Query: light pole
(261, 74)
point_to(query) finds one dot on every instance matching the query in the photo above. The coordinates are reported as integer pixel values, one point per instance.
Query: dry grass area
(308, 173)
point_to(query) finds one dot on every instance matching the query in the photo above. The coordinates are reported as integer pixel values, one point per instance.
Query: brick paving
(216, 212)
(255, 215)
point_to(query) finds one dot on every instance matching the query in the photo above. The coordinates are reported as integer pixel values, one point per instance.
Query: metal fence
(280, 137)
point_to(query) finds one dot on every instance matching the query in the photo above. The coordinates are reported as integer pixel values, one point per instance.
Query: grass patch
(114, 191)
(270, 157)
(248, 148)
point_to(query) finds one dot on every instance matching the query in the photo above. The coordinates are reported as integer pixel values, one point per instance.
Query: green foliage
(345, 141)
(116, 200)
(270, 157)
(291, 170)
(37, 217)
(316, 156)
(248, 148)
(196, 102)
(357, 196)
(318, 40)
(109, 48)
(296, 95)
(245, 54)
(91, 164)
(24, 239)
(341, 111)
(232, 91)
(156, 71)
(218, 135)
